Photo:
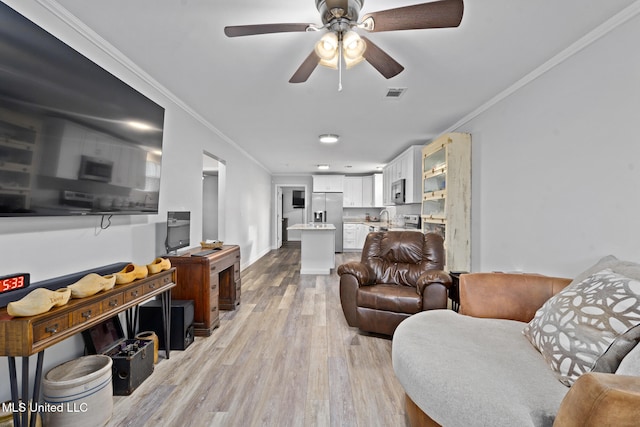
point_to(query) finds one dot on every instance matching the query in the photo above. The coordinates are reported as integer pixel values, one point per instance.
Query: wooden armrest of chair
(599, 400)
(505, 295)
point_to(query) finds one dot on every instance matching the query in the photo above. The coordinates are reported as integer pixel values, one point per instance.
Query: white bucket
(78, 392)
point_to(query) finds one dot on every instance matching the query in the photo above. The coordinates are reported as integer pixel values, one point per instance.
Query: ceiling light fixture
(323, 167)
(335, 46)
(353, 48)
(328, 138)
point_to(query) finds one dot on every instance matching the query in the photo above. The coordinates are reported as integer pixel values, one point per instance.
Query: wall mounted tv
(74, 139)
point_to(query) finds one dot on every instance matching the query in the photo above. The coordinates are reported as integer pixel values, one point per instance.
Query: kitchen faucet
(388, 216)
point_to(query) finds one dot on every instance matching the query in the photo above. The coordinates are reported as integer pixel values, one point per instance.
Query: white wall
(50, 247)
(556, 166)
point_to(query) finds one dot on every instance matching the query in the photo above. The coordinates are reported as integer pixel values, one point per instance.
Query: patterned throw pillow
(588, 326)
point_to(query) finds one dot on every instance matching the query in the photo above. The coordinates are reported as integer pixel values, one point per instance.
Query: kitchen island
(317, 247)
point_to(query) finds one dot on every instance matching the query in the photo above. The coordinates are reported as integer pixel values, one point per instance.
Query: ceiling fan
(342, 43)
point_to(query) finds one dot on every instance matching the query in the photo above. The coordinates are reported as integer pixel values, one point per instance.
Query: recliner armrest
(432, 276)
(505, 295)
(362, 272)
(597, 399)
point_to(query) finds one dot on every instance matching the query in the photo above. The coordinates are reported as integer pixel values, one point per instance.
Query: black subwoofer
(181, 334)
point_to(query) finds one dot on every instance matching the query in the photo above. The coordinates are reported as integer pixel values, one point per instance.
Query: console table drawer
(50, 327)
(133, 293)
(86, 313)
(112, 302)
(156, 284)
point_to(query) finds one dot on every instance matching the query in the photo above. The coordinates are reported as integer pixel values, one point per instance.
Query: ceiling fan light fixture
(328, 138)
(353, 48)
(327, 50)
(352, 62)
(353, 44)
(327, 46)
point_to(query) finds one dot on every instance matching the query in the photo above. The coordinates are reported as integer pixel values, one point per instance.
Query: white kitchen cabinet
(412, 174)
(352, 197)
(367, 191)
(361, 235)
(386, 185)
(406, 166)
(328, 183)
(377, 190)
(354, 236)
(350, 237)
(446, 196)
(362, 191)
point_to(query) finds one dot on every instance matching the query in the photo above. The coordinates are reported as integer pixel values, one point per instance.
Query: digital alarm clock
(13, 282)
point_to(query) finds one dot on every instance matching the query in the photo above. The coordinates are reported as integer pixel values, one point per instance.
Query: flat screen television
(74, 139)
(178, 230)
(298, 199)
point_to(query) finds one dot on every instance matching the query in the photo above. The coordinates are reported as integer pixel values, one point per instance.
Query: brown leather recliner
(400, 274)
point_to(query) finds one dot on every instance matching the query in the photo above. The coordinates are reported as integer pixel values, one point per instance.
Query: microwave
(95, 169)
(397, 192)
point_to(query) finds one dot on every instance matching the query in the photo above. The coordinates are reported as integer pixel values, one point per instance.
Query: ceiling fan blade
(304, 71)
(250, 30)
(437, 14)
(381, 61)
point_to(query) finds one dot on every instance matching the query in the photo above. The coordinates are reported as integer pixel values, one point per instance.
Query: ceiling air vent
(395, 92)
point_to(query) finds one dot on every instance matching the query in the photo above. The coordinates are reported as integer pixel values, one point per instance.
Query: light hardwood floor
(285, 357)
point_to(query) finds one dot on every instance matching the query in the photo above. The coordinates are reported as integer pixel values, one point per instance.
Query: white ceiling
(240, 85)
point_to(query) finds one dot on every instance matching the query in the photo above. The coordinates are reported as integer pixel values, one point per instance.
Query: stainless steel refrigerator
(327, 207)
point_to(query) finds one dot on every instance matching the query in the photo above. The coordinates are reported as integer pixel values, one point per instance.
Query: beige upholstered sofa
(486, 366)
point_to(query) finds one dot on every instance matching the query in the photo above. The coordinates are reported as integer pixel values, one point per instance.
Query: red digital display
(13, 282)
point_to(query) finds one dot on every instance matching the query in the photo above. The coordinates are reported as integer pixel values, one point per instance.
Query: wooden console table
(213, 283)
(25, 336)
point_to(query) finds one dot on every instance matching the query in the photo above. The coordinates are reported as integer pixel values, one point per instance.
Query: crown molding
(594, 35)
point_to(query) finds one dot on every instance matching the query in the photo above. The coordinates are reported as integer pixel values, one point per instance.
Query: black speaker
(181, 335)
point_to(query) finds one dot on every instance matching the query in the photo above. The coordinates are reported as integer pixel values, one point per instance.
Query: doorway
(213, 180)
(288, 213)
